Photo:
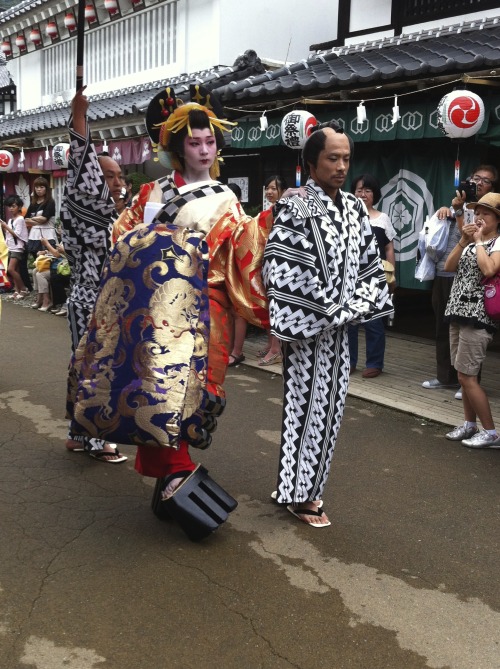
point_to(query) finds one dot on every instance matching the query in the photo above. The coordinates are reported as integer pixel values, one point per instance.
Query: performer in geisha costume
(204, 220)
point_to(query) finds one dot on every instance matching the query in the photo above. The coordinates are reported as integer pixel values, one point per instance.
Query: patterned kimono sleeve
(84, 173)
(318, 280)
(244, 272)
(87, 193)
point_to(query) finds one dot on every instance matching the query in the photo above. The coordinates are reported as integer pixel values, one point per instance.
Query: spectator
(476, 255)
(41, 216)
(485, 177)
(49, 292)
(367, 188)
(274, 188)
(325, 243)
(16, 237)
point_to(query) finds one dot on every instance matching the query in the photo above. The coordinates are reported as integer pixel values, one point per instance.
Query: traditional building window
(153, 34)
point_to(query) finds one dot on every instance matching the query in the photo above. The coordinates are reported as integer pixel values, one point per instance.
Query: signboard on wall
(242, 182)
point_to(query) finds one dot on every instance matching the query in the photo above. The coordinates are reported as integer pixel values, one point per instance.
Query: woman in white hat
(477, 255)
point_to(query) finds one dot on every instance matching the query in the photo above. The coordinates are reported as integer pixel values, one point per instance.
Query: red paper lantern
(70, 21)
(51, 29)
(35, 36)
(90, 13)
(6, 48)
(111, 6)
(20, 41)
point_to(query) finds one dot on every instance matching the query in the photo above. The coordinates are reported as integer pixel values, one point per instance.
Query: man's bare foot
(309, 513)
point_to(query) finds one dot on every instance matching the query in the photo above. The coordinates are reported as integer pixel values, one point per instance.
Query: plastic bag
(436, 237)
(425, 269)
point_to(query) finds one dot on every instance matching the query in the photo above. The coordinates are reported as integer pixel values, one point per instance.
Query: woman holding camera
(476, 255)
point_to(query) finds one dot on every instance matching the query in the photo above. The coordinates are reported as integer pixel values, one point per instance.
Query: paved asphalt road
(407, 577)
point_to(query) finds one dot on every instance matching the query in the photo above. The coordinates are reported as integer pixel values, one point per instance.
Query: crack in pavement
(442, 627)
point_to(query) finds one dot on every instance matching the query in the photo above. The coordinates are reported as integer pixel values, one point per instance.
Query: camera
(470, 189)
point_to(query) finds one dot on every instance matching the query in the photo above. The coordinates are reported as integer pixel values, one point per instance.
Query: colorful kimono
(87, 215)
(175, 383)
(322, 271)
(235, 246)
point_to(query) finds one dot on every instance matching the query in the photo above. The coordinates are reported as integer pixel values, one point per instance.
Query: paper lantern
(90, 13)
(460, 114)
(296, 127)
(111, 6)
(60, 154)
(20, 41)
(6, 160)
(6, 48)
(70, 21)
(51, 29)
(35, 36)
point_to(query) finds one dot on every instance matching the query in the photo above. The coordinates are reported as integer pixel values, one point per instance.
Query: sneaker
(432, 384)
(458, 394)
(462, 432)
(482, 439)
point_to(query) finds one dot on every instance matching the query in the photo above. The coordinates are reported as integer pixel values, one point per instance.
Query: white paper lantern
(60, 154)
(6, 160)
(460, 114)
(296, 127)
(20, 41)
(6, 48)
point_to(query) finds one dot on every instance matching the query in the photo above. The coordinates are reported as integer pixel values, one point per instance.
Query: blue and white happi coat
(322, 271)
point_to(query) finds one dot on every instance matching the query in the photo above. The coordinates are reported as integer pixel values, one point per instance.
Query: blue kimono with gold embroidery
(138, 375)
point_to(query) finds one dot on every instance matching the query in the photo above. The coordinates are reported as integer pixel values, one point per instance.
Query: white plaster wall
(27, 76)
(366, 14)
(199, 30)
(276, 29)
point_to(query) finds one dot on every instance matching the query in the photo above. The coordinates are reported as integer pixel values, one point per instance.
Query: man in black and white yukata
(322, 271)
(94, 183)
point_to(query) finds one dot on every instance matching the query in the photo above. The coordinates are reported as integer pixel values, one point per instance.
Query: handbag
(492, 296)
(390, 272)
(42, 263)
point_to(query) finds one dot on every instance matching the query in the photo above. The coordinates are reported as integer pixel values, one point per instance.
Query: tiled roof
(128, 103)
(5, 80)
(465, 48)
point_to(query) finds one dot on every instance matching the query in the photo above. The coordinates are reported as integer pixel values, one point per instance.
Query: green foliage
(138, 178)
(253, 210)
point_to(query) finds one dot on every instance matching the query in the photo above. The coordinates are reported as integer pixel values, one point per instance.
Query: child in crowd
(16, 237)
